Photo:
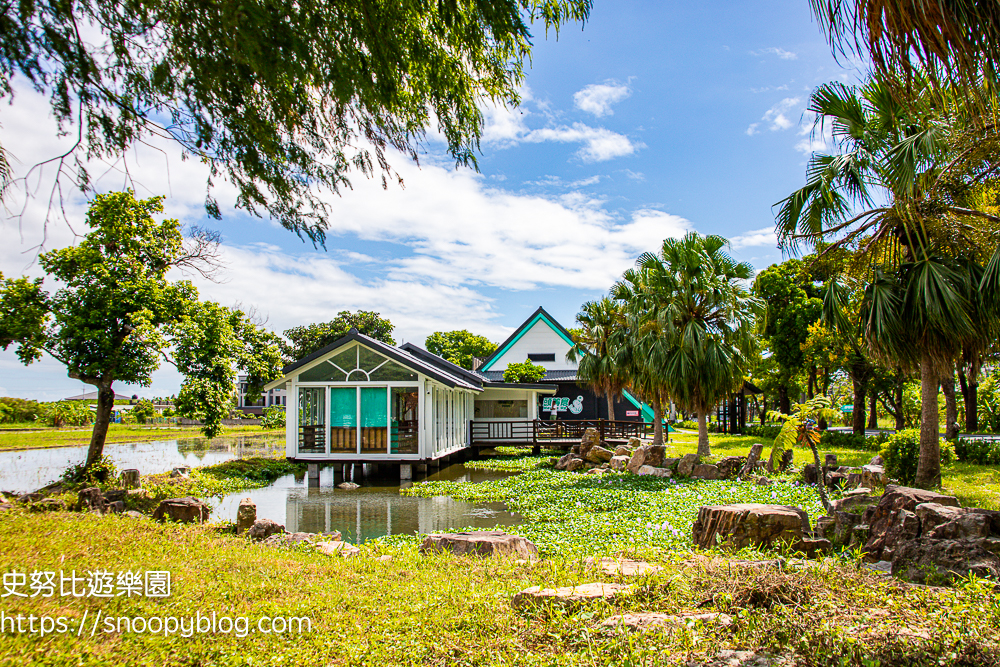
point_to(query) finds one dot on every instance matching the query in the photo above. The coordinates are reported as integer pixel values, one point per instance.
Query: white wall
(539, 338)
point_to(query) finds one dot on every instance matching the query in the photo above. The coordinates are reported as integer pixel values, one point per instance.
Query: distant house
(92, 396)
(255, 404)
(362, 400)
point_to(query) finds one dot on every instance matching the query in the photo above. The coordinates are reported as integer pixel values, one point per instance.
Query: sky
(657, 118)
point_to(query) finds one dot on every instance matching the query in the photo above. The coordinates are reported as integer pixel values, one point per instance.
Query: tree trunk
(611, 406)
(951, 408)
(929, 464)
(763, 410)
(657, 421)
(860, 391)
(970, 396)
(821, 476)
(704, 450)
(900, 413)
(811, 390)
(105, 406)
(873, 410)
(784, 405)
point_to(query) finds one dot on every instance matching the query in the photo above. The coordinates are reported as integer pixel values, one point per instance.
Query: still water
(374, 510)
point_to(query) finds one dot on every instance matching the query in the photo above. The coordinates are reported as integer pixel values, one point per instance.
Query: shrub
(18, 410)
(274, 417)
(523, 372)
(982, 452)
(99, 474)
(688, 423)
(66, 413)
(143, 411)
(763, 430)
(902, 451)
(840, 439)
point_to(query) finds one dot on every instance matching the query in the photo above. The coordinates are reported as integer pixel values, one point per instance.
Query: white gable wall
(540, 338)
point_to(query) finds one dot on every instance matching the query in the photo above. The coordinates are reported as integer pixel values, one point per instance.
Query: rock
(264, 528)
(183, 510)
(787, 457)
(945, 560)
(730, 466)
(595, 471)
(655, 619)
(564, 461)
(888, 525)
(48, 505)
(246, 515)
(598, 454)
(137, 493)
(853, 480)
(5, 507)
(569, 595)
(340, 548)
(706, 471)
(622, 450)
(656, 455)
(132, 514)
(181, 472)
(480, 543)
(619, 463)
(623, 567)
(752, 458)
(89, 500)
(290, 539)
(851, 501)
(634, 443)
(116, 507)
(836, 480)
(763, 481)
(655, 472)
(384, 558)
(830, 461)
(575, 464)
(809, 474)
(876, 461)
(115, 495)
(686, 465)
(348, 486)
(735, 527)
(941, 522)
(873, 476)
(591, 438)
(130, 478)
(28, 498)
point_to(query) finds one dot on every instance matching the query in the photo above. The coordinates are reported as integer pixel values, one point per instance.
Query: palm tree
(603, 328)
(923, 239)
(693, 320)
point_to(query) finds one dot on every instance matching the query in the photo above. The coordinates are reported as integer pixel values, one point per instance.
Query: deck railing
(539, 430)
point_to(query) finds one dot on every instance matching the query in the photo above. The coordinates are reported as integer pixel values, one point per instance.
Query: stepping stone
(656, 619)
(622, 567)
(536, 595)
(482, 543)
(338, 548)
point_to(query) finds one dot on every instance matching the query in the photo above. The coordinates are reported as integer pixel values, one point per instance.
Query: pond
(374, 510)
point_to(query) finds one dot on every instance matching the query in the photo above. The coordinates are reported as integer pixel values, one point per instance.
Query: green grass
(66, 437)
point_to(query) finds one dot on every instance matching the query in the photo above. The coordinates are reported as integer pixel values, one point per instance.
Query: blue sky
(655, 119)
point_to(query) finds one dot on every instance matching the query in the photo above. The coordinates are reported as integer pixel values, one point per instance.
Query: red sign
(631, 413)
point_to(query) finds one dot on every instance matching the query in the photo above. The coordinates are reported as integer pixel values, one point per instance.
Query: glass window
(405, 420)
(323, 372)
(368, 360)
(347, 360)
(390, 371)
(312, 429)
(343, 419)
(374, 420)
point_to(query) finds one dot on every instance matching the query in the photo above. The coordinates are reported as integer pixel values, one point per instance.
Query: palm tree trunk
(970, 398)
(105, 406)
(657, 421)
(821, 476)
(704, 449)
(611, 405)
(873, 410)
(859, 407)
(929, 464)
(951, 408)
(900, 415)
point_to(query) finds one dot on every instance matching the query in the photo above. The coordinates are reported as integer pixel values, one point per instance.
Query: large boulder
(634, 443)
(564, 460)
(90, 499)
(654, 472)
(647, 455)
(730, 466)
(927, 560)
(622, 450)
(734, 527)
(48, 505)
(591, 438)
(598, 454)
(619, 463)
(706, 471)
(941, 522)
(575, 464)
(481, 543)
(893, 520)
(873, 476)
(182, 510)
(246, 515)
(265, 528)
(686, 465)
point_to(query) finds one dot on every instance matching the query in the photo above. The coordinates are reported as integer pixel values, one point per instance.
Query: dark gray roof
(411, 361)
(441, 363)
(550, 376)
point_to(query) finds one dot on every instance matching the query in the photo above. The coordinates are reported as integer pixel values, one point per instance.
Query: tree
(459, 347)
(802, 427)
(305, 340)
(695, 321)
(601, 332)
(115, 315)
(280, 98)
(923, 157)
(524, 372)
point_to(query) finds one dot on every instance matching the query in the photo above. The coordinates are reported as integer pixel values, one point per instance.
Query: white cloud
(599, 144)
(757, 237)
(635, 175)
(776, 117)
(775, 51)
(597, 98)
(752, 130)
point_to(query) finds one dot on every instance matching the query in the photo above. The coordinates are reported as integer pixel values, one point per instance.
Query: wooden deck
(560, 433)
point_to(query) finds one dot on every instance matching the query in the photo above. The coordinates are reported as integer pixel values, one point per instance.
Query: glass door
(374, 402)
(343, 420)
(312, 428)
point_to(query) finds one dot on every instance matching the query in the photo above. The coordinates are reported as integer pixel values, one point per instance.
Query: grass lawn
(64, 437)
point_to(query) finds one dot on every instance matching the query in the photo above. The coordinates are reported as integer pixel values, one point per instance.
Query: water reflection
(27, 470)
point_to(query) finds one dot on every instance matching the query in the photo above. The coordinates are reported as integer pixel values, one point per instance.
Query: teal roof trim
(525, 329)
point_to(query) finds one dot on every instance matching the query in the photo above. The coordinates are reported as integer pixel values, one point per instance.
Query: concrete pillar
(338, 473)
(422, 468)
(312, 473)
(405, 472)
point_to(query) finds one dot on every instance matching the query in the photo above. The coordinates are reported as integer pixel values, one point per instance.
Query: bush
(763, 430)
(523, 372)
(143, 411)
(18, 410)
(99, 474)
(902, 451)
(840, 439)
(66, 413)
(982, 452)
(688, 423)
(274, 417)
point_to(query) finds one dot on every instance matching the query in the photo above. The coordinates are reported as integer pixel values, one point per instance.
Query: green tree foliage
(66, 413)
(305, 340)
(143, 411)
(274, 417)
(115, 315)
(524, 372)
(692, 322)
(277, 97)
(459, 347)
(19, 410)
(601, 333)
